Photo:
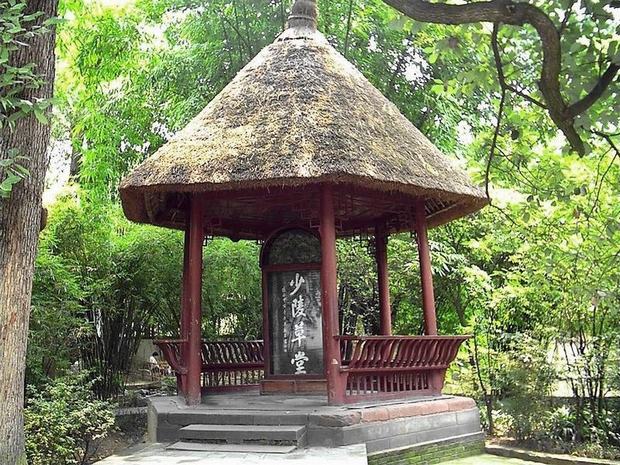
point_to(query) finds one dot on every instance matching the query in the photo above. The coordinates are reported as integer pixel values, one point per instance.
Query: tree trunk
(488, 403)
(20, 219)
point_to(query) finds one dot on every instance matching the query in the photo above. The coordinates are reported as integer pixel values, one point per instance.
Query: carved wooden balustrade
(373, 367)
(232, 364)
(383, 367)
(226, 365)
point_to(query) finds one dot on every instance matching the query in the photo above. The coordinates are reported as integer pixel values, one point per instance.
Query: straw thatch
(298, 114)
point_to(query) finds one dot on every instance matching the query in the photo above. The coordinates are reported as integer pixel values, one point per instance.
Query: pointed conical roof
(297, 115)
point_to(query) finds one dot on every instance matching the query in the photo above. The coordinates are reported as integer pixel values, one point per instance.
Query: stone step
(243, 448)
(238, 417)
(240, 434)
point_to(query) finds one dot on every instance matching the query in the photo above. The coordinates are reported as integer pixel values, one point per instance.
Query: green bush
(528, 381)
(57, 321)
(560, 424)
(101, 282)
(169, 385)
(64, 423)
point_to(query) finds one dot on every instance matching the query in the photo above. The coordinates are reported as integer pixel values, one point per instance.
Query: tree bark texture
(20, 218)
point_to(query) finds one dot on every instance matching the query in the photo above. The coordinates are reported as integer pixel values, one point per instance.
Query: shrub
(169, 385)
(527, 384)
(56, 322)
(560, 424)
(64, 423)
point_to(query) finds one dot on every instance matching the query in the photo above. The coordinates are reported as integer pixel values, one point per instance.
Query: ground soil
(130, 429)
(116, 442)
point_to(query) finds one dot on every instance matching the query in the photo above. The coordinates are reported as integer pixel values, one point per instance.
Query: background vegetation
(535, 276)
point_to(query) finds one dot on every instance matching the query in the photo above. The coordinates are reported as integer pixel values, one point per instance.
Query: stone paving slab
(243, 448)
(156, 454)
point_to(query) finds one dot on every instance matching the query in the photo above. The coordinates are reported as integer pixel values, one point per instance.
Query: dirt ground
(129, 432)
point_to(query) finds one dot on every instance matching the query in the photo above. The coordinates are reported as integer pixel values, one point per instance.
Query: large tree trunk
(20, 219)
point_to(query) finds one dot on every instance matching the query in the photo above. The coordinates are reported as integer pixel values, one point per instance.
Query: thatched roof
(299, 114)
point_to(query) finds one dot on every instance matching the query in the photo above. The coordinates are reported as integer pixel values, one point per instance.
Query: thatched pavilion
(298, 150)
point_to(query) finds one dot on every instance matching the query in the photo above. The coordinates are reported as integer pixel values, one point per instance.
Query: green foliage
(232, 296)
(357, 293)
(114, 286)
(534, 278)
(15, 172)
(57, 323)
(16, 29)
(528, 381)
(102, 282)
(63, 423)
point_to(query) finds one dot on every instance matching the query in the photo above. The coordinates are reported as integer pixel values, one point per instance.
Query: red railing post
(426, 272)
(185, 312)
(194, 339)
(381, 256)
(329, 298)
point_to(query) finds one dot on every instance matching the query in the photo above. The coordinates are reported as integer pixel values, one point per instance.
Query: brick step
(294, 435)
(243, 448)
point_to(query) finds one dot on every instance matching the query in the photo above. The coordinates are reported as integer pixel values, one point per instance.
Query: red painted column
(426, 272)
(381, 256)
(194, 286)
(329, 298)
(185, 312)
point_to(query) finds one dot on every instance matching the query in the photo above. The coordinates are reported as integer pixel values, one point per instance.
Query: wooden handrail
(391, 367)
(216, 354)
(171, 349)
(372, 366)
(398, 353)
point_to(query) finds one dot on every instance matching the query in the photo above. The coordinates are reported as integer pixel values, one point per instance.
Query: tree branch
(516, 14)
(597, 91)
(500, 111)
(609, 140)
(487, 173)
(500, 71)
(346, 37)
(567, 16)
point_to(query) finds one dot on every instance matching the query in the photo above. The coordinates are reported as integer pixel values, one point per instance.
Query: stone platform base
(389, 427)
(429, 453)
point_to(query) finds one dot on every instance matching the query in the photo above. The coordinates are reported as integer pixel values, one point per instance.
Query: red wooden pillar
(329, 298)
(194, 286)
(185, 312)
(381, 256)
(426, 272)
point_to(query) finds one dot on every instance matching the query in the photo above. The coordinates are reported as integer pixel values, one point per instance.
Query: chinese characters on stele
(298, 314)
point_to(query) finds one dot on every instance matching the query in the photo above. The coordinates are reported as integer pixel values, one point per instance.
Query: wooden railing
(226, 365)
(171, 349)
(379, 367)
(373, 367)
(232, 364)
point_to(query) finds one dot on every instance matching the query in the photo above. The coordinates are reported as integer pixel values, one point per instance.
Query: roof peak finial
(303, 14)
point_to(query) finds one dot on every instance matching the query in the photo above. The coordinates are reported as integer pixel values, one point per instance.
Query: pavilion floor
(381, 425)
